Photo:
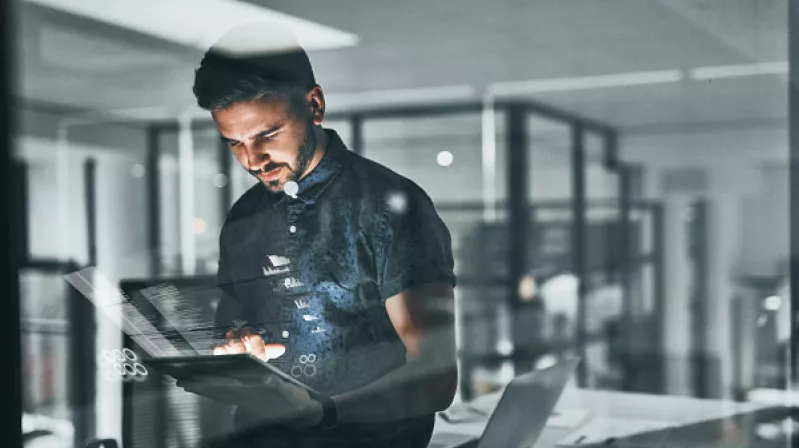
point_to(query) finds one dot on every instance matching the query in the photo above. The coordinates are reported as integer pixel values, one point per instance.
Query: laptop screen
(525, 407)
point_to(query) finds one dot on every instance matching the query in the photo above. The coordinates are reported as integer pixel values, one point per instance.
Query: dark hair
(224, 79)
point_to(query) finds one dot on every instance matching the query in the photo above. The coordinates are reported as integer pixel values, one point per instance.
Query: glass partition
(615, 176)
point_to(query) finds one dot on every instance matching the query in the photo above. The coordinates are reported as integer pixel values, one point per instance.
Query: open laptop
(522, 411)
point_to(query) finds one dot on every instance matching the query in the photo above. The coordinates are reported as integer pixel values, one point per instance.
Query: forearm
(413, 390)
(424, 320)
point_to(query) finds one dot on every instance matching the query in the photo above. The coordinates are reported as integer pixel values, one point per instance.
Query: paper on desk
(561, 418)
(485, 406)
(599, 430)
(567, 418)
(462, 414)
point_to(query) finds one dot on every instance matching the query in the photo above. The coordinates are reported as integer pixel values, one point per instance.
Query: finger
(233, 343)
(254, 344)
(273, 351)
(235, 346)
(232, 334)
(220, 350)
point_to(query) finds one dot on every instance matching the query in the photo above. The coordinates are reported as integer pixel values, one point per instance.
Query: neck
(319, 151)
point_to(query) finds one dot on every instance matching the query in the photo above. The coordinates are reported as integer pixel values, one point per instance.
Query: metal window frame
(81, 337)
(11, 373)
(793, 117)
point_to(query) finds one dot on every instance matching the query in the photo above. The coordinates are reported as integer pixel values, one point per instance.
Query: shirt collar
(312, 185)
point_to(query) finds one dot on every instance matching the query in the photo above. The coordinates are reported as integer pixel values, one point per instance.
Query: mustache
(266, 168)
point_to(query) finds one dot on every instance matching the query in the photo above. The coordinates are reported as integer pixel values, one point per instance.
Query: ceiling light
(737, 71)
(585, 82)
(772, 303)
(445, 158)
(199, 23)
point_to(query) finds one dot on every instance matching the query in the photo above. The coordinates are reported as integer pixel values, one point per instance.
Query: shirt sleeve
(414, 245)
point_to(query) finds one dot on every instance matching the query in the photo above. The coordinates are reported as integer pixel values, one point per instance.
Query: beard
(305, 153)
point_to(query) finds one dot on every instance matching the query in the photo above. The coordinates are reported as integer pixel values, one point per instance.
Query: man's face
(271, 142)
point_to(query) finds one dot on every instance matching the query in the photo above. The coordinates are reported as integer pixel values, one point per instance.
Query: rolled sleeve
(415, 246)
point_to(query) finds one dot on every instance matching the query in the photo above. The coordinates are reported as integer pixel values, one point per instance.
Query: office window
(443, 154)
(550, 148)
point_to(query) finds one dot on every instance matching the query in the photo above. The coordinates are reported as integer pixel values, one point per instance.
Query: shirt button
(293, 229)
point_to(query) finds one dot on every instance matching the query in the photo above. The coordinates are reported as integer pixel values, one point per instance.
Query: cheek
(285, 150)
(240, 156)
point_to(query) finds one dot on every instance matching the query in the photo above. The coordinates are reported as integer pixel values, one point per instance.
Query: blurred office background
(614, 174)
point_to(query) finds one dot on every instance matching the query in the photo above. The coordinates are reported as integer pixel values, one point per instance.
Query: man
(334, 268)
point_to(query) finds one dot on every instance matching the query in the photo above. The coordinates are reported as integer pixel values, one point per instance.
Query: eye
(232, 143)
(268, 137)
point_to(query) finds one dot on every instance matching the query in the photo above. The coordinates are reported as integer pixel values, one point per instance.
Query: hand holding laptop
(270, 398)
(249, 341)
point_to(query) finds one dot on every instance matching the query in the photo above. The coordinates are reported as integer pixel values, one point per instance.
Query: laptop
(522, 411)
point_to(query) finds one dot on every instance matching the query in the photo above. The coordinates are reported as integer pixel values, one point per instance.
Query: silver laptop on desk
(522, 411)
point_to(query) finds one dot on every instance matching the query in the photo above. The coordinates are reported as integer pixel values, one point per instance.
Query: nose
(256, 161)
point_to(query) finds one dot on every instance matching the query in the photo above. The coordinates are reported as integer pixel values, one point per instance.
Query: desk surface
(609, 404)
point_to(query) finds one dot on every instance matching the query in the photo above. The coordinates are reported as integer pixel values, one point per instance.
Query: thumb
(274, 351)
(254, 343)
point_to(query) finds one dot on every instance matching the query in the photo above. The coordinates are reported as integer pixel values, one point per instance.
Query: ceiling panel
(405, 45)
(59, 47)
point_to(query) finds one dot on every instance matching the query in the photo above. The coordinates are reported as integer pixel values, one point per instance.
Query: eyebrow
(261, 134)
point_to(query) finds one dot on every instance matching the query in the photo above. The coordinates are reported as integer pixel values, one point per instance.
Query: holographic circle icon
(140, 369)
(296, 371)
(118, 356)
(109, 356)
(130, 355)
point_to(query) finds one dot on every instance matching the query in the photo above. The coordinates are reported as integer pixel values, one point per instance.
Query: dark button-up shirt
(313, 271)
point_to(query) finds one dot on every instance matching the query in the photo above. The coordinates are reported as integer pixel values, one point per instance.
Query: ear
(316, 101)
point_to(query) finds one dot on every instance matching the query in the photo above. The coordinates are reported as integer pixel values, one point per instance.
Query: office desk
(609, 404)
